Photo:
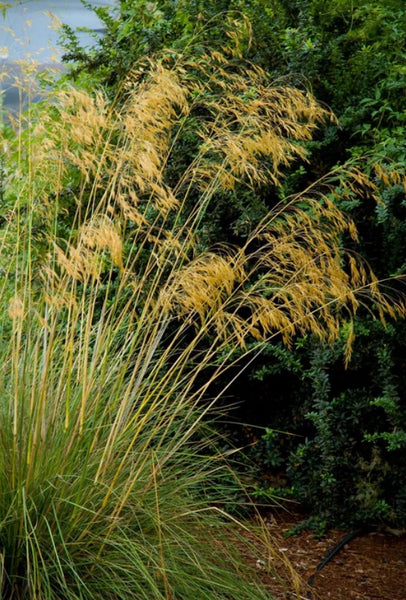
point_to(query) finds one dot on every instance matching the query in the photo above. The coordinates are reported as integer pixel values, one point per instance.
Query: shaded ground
(368, 567)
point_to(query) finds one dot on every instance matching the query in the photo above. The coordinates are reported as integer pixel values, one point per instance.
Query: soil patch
(371, 566)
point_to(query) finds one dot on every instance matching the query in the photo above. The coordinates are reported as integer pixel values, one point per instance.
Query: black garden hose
(334, 550)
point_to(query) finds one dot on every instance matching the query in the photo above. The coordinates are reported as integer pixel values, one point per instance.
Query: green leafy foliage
(346, 465)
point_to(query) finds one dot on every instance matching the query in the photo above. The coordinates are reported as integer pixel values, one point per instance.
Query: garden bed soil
(370, 566)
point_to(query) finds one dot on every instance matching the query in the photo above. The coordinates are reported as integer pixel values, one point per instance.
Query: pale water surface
(29, 30)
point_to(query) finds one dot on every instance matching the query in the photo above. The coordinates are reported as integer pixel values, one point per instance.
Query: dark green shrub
(348, 466)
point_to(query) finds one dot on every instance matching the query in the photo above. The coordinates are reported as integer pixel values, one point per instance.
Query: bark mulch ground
(371, 566)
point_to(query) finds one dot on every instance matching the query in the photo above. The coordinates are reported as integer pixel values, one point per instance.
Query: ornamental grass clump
(116, 322)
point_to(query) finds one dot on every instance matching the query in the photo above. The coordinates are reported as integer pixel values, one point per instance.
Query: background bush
(352, 57)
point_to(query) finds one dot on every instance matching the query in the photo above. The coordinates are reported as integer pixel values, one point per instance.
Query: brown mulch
(368, 567)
